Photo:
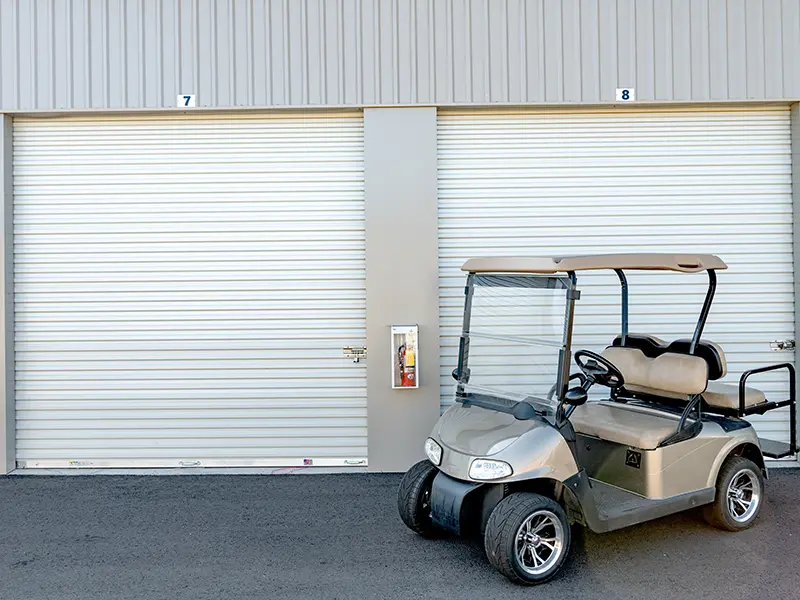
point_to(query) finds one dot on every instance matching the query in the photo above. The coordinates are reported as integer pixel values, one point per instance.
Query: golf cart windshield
(513, 342)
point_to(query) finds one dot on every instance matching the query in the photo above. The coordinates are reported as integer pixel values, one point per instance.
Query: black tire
(502, 541)
(736, 506)
(414, 499)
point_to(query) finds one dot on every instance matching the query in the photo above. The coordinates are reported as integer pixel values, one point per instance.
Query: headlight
(485, 470)
(434, 451)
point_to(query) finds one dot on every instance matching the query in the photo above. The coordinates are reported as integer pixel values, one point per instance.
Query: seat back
(652, 346)
(670, 374)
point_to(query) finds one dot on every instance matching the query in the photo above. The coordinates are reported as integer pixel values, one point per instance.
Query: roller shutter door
(184, 288)
(555, 183)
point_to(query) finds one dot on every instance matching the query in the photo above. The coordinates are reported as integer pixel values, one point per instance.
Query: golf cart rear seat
(726, 396)
(716, 395)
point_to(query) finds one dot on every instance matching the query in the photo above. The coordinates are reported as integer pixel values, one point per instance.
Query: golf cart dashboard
(522, 410)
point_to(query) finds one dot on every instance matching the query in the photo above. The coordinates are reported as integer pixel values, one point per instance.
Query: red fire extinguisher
(408, 366)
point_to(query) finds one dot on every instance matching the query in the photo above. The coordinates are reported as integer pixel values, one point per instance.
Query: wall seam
(783, 57)
(142, 56)
(17, 91)
(432, 53)
(123, 51)
(51, 48)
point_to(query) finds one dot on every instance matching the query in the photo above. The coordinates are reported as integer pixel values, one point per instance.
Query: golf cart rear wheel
(414, 499)
(527, 538)
(740, 491)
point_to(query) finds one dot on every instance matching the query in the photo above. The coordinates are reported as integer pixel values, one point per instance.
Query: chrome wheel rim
(744, 496)
(539, 542)
(425, 502)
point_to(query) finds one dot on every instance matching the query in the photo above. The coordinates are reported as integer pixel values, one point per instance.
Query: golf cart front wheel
(740, 491)
(414, 499)
(527, 538)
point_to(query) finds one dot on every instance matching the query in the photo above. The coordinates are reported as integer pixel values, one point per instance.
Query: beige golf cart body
(652, 447)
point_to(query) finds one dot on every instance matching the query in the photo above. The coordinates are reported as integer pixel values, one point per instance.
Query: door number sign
(626, 94)
(187, 101)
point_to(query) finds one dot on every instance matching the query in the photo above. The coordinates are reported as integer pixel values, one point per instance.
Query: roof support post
(701, 322)
(565, 354)
(623, 281)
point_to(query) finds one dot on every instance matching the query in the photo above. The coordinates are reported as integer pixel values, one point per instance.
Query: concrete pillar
(7, 421)
(402, 278)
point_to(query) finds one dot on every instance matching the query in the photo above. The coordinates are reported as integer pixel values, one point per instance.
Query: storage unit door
(184, 288)
(559, 183)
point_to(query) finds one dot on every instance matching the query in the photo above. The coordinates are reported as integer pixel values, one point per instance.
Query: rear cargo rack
(772, 448)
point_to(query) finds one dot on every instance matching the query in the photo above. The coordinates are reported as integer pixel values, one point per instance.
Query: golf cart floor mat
(775, 449)
(620, 508)
(612, 501)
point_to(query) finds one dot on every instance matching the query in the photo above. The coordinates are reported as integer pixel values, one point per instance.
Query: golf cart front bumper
(462, 507)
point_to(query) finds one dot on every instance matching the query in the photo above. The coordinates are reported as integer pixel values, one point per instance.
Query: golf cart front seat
(668, 375)
(628, 425)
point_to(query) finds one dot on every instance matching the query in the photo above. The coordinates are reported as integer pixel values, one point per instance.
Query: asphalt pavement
(338, 536)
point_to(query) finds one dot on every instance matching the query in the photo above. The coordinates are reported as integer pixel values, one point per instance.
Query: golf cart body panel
(523, 457)
(607, 508)
(666, 471)
(467, 433)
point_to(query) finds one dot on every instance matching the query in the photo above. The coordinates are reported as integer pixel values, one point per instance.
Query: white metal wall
(184, 287)
(110, 54)
(555, 183)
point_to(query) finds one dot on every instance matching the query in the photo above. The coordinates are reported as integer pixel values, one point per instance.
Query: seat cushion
(628, 425)
(725, 395)
(652, 346)
(672, 375)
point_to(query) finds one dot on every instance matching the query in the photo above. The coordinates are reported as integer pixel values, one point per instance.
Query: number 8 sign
(626, 94)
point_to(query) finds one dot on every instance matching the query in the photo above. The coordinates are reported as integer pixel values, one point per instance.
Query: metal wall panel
(184, 287)
(7, 413)
(559, 183)
(116, 54)
(401, 246)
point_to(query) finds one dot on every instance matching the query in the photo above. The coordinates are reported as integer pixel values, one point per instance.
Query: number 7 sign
(187, 101)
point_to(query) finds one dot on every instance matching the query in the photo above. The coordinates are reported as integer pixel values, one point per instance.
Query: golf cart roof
(684, 263)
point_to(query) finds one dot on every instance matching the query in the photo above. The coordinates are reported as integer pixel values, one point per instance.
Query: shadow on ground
(339, 536)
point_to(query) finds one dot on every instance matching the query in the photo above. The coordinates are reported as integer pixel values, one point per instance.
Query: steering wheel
(599, 369)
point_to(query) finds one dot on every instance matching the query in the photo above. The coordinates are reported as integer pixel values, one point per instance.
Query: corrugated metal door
(184, 288)
(555, 183)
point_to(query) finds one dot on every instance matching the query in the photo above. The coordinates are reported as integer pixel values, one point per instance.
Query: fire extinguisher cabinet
(405, 357)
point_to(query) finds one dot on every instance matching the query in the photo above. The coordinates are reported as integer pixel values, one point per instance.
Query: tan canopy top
(685, 263)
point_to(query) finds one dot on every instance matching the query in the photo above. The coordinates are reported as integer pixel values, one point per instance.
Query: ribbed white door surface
(556, 183)
(184, 288)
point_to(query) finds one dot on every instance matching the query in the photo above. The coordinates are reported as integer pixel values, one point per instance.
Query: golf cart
(521, 455)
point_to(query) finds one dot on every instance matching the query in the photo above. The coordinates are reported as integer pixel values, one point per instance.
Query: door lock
(781, 345)
(355, 352)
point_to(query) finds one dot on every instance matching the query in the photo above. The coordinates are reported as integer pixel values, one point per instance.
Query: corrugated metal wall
(75, 54)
